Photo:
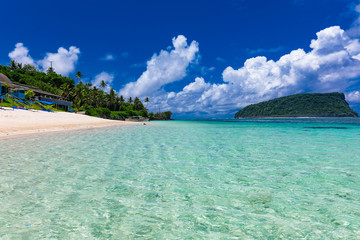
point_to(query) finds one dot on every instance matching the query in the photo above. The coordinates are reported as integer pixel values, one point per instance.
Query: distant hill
(301, 105)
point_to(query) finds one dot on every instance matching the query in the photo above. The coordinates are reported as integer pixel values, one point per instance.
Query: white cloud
(107, 77)
(169, 66)
(183, 101)
(198, 86)
(333, 64)
(330, 66)
(353, 97)
(63, 61)
(108, 57)
(21, 55)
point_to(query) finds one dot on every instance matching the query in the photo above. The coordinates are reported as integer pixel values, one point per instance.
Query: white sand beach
(22, 122)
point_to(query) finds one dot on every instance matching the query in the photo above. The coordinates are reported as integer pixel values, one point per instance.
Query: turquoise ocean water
(230, 179)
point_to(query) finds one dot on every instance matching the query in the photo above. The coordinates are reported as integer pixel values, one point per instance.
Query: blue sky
(195, 58)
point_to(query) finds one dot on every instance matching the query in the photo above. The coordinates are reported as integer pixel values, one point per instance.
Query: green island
(98, 101)
(300, 105)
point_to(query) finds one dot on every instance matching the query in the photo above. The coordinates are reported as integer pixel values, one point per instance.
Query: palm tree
(121, 100)
(13, 65)
(103, 84)
(138, 104)
(95, 96)
(78, 75)
(147, 101)
(80, 93)
(66, 90)
(112, 97)
(130, 100)
(101, 101)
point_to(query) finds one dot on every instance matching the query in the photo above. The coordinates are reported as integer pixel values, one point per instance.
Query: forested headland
(301, 105)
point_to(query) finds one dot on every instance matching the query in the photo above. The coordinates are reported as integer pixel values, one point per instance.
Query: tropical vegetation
(301, 105)
(100, 101)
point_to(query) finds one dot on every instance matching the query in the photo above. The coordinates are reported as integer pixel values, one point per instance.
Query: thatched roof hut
(4, 79)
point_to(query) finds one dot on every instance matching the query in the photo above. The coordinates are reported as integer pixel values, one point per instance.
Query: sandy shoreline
(26, 122)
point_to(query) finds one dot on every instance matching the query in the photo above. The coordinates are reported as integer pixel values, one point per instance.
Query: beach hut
(5, 84)
(18, 91)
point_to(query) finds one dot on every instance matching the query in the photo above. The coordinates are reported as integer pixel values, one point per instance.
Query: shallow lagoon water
(220, 179)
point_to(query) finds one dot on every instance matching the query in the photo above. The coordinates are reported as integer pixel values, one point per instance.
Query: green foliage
(94, 100)
(30, 76)
(301, 105)
(29, 67)
(103, 84)
(10, 102)
(138, 104)
(119, 115)
(97, 112)
(78, 75)
(14, 65)
(29, 95)
(160, 116)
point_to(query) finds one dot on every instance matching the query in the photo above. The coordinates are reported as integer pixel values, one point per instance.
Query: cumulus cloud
(166, 67)
(190, 94)
(21, 55)
(103, 76)
(63, 61)
(353, 97)
(333, 64)
(330, 66)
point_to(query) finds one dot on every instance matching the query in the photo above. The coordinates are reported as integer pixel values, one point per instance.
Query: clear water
(239, 179)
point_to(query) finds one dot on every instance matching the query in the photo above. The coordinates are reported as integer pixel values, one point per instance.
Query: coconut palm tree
(95, 96)
(66, 90)
(112, 98)
(13, 65)
(103, 84)
(78, 75)
(138, 104)
(147, 101)
(121, 100)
